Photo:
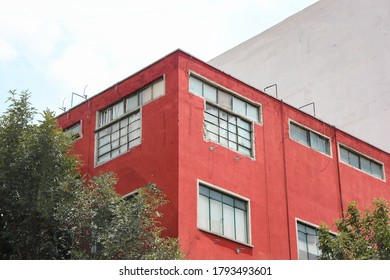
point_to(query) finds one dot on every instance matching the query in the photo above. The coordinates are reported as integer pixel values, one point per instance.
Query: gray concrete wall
(335, 53)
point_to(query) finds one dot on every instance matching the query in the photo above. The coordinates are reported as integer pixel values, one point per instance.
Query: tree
(47, 209)
(361, 236)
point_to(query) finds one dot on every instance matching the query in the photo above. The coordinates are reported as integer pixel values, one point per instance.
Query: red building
(247, 176)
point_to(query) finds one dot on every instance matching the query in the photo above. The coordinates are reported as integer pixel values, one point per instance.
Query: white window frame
(361, 155)
(303, 127)
(232, 195)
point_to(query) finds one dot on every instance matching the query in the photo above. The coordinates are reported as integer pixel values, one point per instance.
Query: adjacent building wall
(334, 53)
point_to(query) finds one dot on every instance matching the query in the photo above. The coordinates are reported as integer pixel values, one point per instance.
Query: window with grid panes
(223, 214)
(307, 242)
(119, 137)
(228, 130)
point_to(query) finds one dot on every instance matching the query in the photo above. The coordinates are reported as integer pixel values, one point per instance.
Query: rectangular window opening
(223, 214)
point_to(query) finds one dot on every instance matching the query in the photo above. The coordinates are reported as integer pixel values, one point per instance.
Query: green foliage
(47, 211)
(361, 237)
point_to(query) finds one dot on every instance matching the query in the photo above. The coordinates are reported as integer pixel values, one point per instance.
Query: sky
(56, 48)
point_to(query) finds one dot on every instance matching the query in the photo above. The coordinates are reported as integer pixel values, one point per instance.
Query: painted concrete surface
(335, 53)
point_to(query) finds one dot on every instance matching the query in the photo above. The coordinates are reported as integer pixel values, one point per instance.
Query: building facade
(247, 176)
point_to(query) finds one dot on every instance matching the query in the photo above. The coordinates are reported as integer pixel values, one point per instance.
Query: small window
(307, 242)
(309, 138)
(75, 131)
(223, 214)
(361, 162)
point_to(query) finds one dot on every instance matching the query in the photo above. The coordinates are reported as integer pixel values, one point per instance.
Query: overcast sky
(54, 48)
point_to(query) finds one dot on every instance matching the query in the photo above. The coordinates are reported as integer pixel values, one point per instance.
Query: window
(309, 138)
(119, 125)
(119, 137)
(223, 214)
(75, 130)
(361, 162)
(307, 242)
(228, 130)
(224, 99)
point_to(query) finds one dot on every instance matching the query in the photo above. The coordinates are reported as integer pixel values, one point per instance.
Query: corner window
(309, 138)
(223, 214)
(228, 130)
(75, 130)
(307, 242)
(361, 162)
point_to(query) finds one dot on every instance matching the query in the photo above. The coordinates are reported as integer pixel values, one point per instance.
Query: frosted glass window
(158, 89)
(239, 106)
(210, 93)
(146, 95)
(132, 102)
(203, 212)
(252, 112)
(222, 214)
(196, 86)
(224, 99)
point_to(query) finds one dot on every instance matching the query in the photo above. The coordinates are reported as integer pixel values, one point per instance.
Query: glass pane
(239, 106)
(224, 99)
(114, 135)
(203, 212)
(210, 93)
(216, 216)
(123, 140)
(233, 145)
(117, 110)
(204, 191)
(135, 142)
(223, 115)
(344, 155)
(104, 140)
(135, 134)
(365, 165)
(212, 128)
(123, 131)
(223, 124)
(124, 122)
(132, 102)
(302, 246)
(303, 136)
(240, 204)
(243, 124)
(223, 133)
(104, 157)
(228, 221)
(377, 170)
(211, 119)
(211, 110)
(353, 159)
(196, 86)
(134, 126)
(123, 149)
(228, 200)
(252, 112)
(212, 136)
(244, 133)
(115, 144)
(158, 89)
(244, 150)
(104, 149)
(312, 246)
(215, 195)
(241, 226)
(146, 95)
(115, 153)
